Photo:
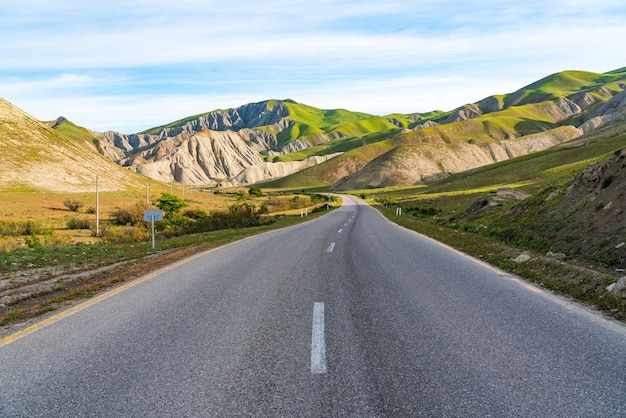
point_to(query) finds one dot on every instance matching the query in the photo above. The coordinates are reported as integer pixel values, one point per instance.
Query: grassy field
(49, 209)
(35, 279)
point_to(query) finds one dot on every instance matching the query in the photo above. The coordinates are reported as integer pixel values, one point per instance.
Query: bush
(170, 204)
(56, 240)
(175, 226)
(240, 215)
(281, 203)
(22, 228)
(255, 191)
(131, 216)
(73, 204)
(195, 214)
(125, 234)
(33, 241)
(10, 244)
(606, 181)
(75, 223)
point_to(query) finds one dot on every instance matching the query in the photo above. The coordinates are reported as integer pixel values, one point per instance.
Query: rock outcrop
(606, 112)
(268, 171)
(210, 149)
(553, 110)
(414, 163)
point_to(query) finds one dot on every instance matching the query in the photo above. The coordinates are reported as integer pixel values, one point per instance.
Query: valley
(532, 172)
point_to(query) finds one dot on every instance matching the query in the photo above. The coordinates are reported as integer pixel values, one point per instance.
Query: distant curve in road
(346, 315)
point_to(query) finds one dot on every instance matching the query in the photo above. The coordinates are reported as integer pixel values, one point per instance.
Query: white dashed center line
(318, 341)
(330, 248)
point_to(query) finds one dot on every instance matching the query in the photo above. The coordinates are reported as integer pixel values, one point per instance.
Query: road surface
(347, 315)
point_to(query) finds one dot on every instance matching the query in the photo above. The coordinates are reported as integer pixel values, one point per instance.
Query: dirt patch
(28, 296)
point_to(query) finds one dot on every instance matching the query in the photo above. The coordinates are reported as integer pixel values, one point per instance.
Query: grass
(561, 84)
(108, 265)
(582, 284)
(436, 210)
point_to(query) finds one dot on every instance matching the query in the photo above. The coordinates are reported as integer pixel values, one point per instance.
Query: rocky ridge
(214, 148)
(218, 147)
(424, 154)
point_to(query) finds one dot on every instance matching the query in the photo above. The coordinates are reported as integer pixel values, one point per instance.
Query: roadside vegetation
(530, 216)
(45, 264)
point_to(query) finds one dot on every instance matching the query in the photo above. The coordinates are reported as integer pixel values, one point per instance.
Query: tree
(170, 204)
(255, 191)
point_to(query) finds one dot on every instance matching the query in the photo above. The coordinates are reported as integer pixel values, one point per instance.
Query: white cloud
(134, 64)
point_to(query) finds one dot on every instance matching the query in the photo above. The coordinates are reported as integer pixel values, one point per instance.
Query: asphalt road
(347, 315)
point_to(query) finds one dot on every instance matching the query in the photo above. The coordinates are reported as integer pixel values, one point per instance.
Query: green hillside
(563, 84)
(330, 130)
(75, 132)
(529, 111)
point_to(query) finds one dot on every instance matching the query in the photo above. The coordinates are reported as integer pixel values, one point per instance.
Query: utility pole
(97, 209)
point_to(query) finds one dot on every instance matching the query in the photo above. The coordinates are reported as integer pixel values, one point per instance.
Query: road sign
(153, 215)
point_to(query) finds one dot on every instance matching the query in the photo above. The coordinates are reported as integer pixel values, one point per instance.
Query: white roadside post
(151, 216)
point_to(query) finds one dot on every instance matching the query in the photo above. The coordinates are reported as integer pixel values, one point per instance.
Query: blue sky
(129, 65)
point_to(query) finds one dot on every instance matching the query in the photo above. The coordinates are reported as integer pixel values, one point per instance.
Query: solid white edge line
(318, 341)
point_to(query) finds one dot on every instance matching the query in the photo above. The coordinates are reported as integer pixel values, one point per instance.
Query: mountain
(293, 144)
(56, 156)
(551, 111)
(218, 147)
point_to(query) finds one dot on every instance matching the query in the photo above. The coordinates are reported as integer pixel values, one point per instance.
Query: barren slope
(33, 155)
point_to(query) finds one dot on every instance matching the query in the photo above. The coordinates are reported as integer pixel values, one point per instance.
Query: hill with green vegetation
(556, 217)
(369, 151)
(414, 148)
(551, 111)
(227, 142)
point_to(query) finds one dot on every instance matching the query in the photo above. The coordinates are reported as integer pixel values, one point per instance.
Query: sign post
(151, 216)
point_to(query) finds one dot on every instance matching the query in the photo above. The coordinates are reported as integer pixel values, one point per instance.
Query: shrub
(195, 214)
(10, 244)
(174, 226)
(280, 203)
(56, 240)
(255, 191)
(75, 223)
(170, 204)
(22, 228)
(606, 181)
(125, 234)
(73, 204)
(240, 215)
(131, 216)
(33, 241)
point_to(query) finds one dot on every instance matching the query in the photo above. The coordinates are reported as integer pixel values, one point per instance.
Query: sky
(129, 65)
